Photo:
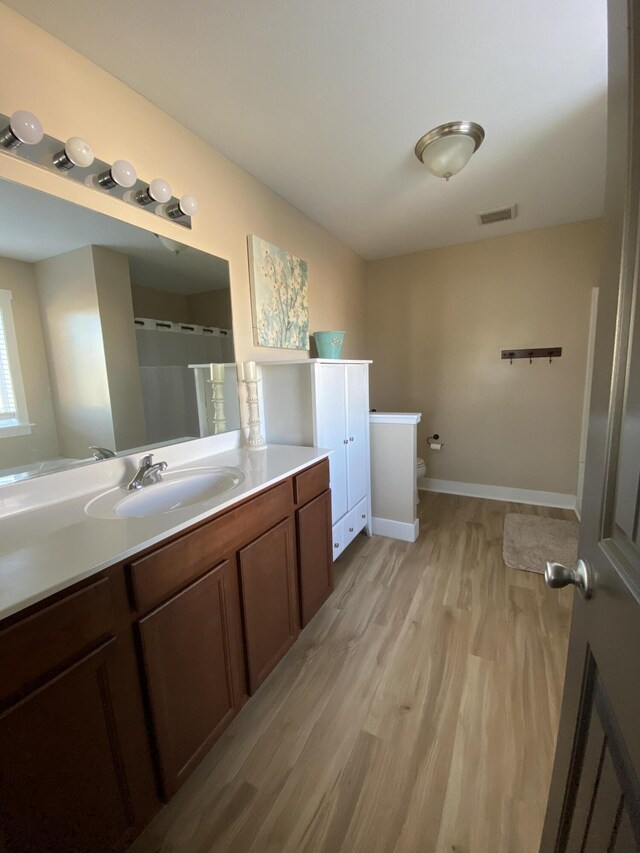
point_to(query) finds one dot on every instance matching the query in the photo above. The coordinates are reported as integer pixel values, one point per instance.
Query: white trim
(14, 429)
(395, 417)
(396, 529)
(315, 361)
(498, 493)
(20, 424)
(586, 405)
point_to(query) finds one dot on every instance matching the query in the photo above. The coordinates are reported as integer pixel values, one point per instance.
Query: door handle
(556, 576)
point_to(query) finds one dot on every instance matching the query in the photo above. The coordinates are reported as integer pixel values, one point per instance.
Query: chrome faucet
(147, 473)
(101, 453)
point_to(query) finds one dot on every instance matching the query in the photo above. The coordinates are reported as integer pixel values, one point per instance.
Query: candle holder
(219, 420)
(255, 441)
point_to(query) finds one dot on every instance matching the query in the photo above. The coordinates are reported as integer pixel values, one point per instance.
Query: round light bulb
(79, 152)
(26, 127)
(123, 173)
(159, 190)
(23, 127)
(189, 205)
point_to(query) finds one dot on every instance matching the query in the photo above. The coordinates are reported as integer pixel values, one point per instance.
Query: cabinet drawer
(361, 514)
(351, 530)
(313, 481)
(41, 642)
(337, 538)
(354, 521)
(172, 567)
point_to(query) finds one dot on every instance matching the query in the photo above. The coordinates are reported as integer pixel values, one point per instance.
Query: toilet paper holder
(434, 442)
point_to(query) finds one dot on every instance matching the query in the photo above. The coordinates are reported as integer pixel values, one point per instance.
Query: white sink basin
(177, 490)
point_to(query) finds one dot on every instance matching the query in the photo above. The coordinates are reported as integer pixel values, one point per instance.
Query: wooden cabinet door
(315, 557)
(190, 650)
(331, 415)
(357, 429)
(269, 599)
(62, 782)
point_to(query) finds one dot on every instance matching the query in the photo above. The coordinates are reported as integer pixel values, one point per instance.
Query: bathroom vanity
(114, 686)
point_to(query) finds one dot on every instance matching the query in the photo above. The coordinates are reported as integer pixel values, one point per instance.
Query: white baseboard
(498, 493)
(396, 529)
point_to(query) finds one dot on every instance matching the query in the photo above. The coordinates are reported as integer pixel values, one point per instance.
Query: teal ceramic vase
(329, 344)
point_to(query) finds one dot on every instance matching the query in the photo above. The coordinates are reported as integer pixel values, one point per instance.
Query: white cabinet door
(331, 407)
(357, 425)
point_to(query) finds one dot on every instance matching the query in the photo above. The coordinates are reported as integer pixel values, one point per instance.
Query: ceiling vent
(486, 217)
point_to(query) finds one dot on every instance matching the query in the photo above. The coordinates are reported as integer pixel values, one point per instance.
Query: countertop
(45, 550)
(395, 417)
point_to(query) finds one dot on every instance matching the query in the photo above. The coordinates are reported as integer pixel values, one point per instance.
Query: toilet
(421, 471)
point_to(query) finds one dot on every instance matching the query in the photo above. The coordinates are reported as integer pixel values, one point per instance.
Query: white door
(594, 800)
(331, 409)
(357, 425)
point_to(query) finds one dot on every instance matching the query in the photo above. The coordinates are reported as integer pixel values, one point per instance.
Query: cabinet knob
(363, 515)
(351, 530)
(336, 544)
(345, 441)
(351, 438)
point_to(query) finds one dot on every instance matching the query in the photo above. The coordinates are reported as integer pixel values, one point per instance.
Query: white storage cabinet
(325, 403)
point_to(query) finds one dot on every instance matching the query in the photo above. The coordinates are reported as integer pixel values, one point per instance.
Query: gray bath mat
(530, 540)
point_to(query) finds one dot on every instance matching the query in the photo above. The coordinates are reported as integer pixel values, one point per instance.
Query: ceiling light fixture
(76, 152)
(447, 149)
(170, 245)
(23, 127)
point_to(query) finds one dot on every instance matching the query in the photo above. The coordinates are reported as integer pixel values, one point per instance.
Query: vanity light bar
(21, 135)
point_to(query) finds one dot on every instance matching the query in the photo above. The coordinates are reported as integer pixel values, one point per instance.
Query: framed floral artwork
(279, 299)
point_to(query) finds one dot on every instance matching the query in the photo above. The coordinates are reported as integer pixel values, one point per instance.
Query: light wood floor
(417, 713)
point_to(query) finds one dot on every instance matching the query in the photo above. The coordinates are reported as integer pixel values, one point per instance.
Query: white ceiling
(324, 101)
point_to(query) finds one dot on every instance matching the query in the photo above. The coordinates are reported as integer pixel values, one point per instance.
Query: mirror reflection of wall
(176, 324)
(99, 322)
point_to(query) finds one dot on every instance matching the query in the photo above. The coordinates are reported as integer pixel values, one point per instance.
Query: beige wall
(210, 308)
(73, 96)
(42, 442)
(113, 288)
(73, 338)
(436, 322)
(158, 304)
(87, 320)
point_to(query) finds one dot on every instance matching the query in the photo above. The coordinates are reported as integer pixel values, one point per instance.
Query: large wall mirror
(110, 337)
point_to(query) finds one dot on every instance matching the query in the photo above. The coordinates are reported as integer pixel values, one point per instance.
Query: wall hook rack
(540, 352)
